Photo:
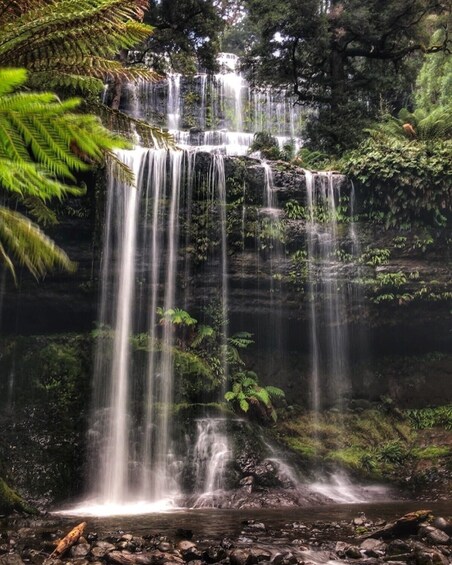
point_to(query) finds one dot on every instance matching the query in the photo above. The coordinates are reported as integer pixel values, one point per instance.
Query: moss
(371, 443)
(10, 501)
(432, 452)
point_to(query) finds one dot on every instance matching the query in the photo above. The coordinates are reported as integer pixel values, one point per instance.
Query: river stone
(259, 554)
(353, 552)
(239, 557)
(165, 546)
(398, 547)
(185, 545)
(373, 547)
(11, 559)
(431, 557)
(443, 524)
(80, 550)
(213, 554)
(433, 535)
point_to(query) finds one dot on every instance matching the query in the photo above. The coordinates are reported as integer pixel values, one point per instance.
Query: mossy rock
(10, 501)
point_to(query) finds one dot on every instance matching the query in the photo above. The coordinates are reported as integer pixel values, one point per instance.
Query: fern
(72, 45)
(24, 243)
(42, 144)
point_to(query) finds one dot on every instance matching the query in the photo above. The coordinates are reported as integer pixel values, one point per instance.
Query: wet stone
(239, 557)
(214, 554)
(443, 524)
(185, 545)
(434, 535)
(80, 550)
(11, 559)
(398, 547)
(353, 552)
(165, 546)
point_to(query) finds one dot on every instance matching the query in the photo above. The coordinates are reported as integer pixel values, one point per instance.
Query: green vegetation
(10, 501)
(425, 418)
(248, 397)
(371, 443)
(339, 58)
(43, 144)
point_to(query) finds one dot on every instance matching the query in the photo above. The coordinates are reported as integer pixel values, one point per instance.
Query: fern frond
(42, 213)
(74, 38)
(119, 121)
(28, 246)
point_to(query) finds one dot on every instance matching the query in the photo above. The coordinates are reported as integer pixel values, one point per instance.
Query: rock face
(404, 288)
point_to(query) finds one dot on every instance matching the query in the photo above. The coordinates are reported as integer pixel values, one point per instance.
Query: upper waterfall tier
(220, 111)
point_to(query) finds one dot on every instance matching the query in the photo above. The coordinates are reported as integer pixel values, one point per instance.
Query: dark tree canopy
(344, 56)
(186, 29)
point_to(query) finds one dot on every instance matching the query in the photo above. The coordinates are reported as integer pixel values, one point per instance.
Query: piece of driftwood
(405, 526)
(68, 541)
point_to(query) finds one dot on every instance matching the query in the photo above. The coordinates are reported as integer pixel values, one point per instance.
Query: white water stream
(134, 464)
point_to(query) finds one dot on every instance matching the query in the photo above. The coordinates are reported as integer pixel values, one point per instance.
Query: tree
(43, 144)
(434, 82)
(341, 56)
(185, 34)
(73, 46)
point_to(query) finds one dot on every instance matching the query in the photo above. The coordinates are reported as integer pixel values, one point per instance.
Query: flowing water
(136, 463)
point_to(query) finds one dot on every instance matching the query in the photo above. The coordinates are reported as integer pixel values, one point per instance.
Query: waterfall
(229, 112)
(136, 454)
(174, 102)
(211, 455)
(328, 292)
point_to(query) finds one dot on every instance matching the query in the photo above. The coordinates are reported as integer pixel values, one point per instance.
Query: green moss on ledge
(10, 501)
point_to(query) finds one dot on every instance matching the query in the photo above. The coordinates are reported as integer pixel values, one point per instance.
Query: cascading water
(135, 460)
(328, 292)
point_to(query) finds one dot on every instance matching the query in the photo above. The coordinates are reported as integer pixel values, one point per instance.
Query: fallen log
(68, 541)
(405, 526)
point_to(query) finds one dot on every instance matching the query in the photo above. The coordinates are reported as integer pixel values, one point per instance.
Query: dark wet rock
(373, 547)
(80, 550)
(185, 545)
(4, 548)
(434, 535)
(11, 559)
(431, 557)
(226, 543)
(213, 554)
(398, 547)
(286, 558)
(91, 536)
(353, 552)
(443, 524)
(165, 546)
(239, 557)
(101, 548)
(191, 554)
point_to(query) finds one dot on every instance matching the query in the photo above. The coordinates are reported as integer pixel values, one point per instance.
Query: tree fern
(73, 45)
(42, 144)
(22, 242)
